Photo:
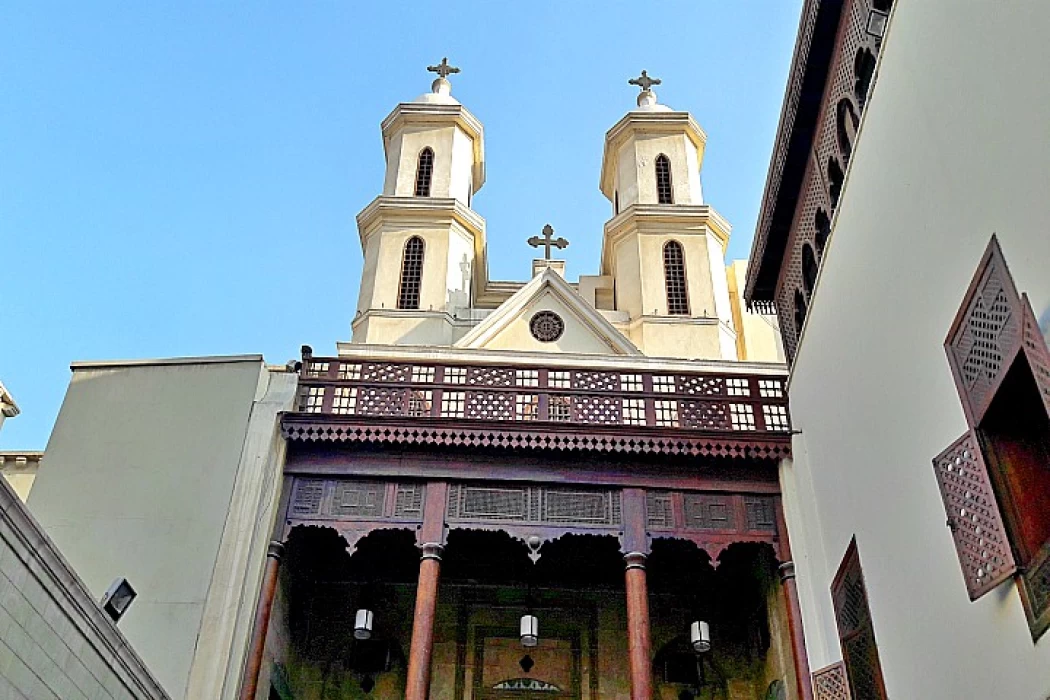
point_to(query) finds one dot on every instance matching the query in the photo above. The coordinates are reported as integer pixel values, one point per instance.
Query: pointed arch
(411, 273)
(424, 172)
(674, 279)
(800, 314)
(822, 226)
(835, 180)
(809, 269)
(664, 190)
(846, 123)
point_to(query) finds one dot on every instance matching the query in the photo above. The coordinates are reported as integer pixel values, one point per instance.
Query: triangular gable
(586, 330)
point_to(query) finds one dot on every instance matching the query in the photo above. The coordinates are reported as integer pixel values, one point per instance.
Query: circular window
(546, 326)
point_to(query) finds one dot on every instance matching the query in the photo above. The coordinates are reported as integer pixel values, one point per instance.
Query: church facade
(493, 490)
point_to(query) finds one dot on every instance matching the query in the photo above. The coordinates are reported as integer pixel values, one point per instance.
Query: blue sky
(182, 178)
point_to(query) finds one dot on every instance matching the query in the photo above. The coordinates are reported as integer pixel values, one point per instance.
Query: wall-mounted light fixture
(700, 636)
(530, 630)
(117, 598)
(363, 624)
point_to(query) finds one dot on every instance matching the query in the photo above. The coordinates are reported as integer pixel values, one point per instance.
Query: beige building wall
(757, 335)
(19, 469)
(56, 643)
(953, 147)
(165, 472)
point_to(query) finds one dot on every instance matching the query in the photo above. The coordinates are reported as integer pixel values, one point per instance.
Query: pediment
(584, 329)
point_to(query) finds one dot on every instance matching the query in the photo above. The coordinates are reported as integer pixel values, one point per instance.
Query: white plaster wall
(954, 146)
(636, 169)
(141, 469)
(453, 160)
(460, 176)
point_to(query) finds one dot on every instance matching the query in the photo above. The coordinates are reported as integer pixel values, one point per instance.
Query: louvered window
(411, 274)
(664, 191)
(856, 633)
(995, 480)
(674, 279)
(424, 172)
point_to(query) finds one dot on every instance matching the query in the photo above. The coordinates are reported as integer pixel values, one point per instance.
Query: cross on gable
(443, 69)
(644, 81)
(548, 241)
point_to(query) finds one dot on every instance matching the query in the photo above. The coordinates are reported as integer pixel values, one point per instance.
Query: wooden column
(794, 610)
(257, 644)
(432, 541)
(636, 548)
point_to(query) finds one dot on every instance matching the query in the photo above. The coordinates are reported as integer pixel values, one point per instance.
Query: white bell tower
(423, 245)
(663, 247)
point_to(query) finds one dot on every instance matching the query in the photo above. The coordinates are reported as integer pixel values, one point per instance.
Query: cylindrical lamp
(530, 630)
(700, 636)
(363, 624)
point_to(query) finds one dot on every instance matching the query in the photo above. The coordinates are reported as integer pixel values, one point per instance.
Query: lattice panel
(830, 683)
(596, 381)
(534, 504)
(381, 401)
(700, 385)
(490, 376)
(488, 503)
(580, 507)
(862, 665)
(856, 634)
(598, 409)
(358, 500)
(491, 405)
(307, 497)
(659, 511)
(1037, 584)
(385, 372)
(704, 415)
(973, 515)
(708, 512)
(408, 501)
(761, 513)
(1037, 353)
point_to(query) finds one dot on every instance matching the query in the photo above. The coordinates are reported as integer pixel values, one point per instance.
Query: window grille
(737, 387)
(411, 274)
(674, 279)
(776, 417)
(663, 384)
(559, 380)
(419, 403)
(422, 375)
(742, 415)
(527, 377)
(350, 371)
(456, 375)
(560, 409)
(424, 172)
(666, 414)
(630, 382)
(526, 406)
(311, 398)
(452, 404)
(634, 411)
(771, 388)
(664, 191)
(317, 369)
(345, 399)
(856, 633)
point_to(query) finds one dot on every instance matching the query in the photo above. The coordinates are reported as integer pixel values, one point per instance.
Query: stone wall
(55, 641)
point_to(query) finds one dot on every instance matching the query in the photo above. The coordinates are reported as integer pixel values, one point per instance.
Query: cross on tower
(443, 69)
(644, 81)
(547, 241)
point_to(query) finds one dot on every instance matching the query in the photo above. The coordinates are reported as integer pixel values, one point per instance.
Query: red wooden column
(257, 644)
(636, 548)
(432, 541)
(794, 610)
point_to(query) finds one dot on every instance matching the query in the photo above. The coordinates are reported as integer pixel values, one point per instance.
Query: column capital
(787, 571)
(635, 560)
(275, 550)
(432, 550)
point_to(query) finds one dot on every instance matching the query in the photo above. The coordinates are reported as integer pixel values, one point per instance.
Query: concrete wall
(953, 147)
(159, 472)
(20, 470)
(55, 641)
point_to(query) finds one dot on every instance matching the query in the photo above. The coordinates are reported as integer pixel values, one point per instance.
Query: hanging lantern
(700, 637)
(530, 630)
(363, 624)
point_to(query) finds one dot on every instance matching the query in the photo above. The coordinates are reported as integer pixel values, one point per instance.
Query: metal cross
(644, 81)
(547, 241)
(443, 69)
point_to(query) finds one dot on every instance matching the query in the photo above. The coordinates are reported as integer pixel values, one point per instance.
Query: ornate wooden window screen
(994, 480)
(829, 683)
(424, 172)
(674, 279)
(411, 273)
(664, 190)
(856, 633)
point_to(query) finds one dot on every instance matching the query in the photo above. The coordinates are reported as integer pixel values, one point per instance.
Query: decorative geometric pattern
(742, 416)
(666, 414)
(596, 381)
(452, 404)
(973, 516)
(771, 388)
(738, 387)
(663, 384)
(1038, 354)
(385, 372)
(358, 499)
(560, 409)
(535, 504)
(761, 513)
(422, 375)
(349, 371)
(527, 377)
(419, 402)
(830, 683)
(559, 379)
(706, 512)
(311, 399)
(658, 509)
(491, 405)
(527, 407)
(546, 326)
(491, 376)
(380, 401)
(306, 500)
(345, 399)
(316, 369)
(631, 382)
(634, 412)
(598, 409)
(349, 499)
(704, 415)
(408, 501)
(704, 386)
(456, 375)
(776, 417)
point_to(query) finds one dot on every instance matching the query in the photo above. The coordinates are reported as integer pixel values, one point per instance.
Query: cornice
(657, 219)
(7, 403)
(646, 122)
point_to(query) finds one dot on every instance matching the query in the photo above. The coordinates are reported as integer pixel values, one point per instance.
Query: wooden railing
(721, 402)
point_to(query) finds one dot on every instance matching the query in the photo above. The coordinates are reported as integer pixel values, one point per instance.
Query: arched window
(424, 172)
(835, 178)
(616, 202)
(411, 274)
(846, 122)
(664, 193)
(822, 226)
(863, 71)
(800, 313)
(674, 279)
(809, 269)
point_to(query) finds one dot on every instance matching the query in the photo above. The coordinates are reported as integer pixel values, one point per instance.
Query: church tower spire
(423, 245)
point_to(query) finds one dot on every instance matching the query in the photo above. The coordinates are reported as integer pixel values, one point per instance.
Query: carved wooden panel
(829, 683)
(354, 499)
(986, 333)
(973, 516)
(1037, 352)
(533, 504)
(598, 409)
(708, 512)
(856, 633)
(596, 381)
(761, 513)
(659, 509)
(706, 415)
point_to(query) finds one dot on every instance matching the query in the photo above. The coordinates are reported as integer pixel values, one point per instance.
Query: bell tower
(423, 245)
(663, 247)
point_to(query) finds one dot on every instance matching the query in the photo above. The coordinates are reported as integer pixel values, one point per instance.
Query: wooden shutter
(973, 516)
(856, 633)
(830, 683)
